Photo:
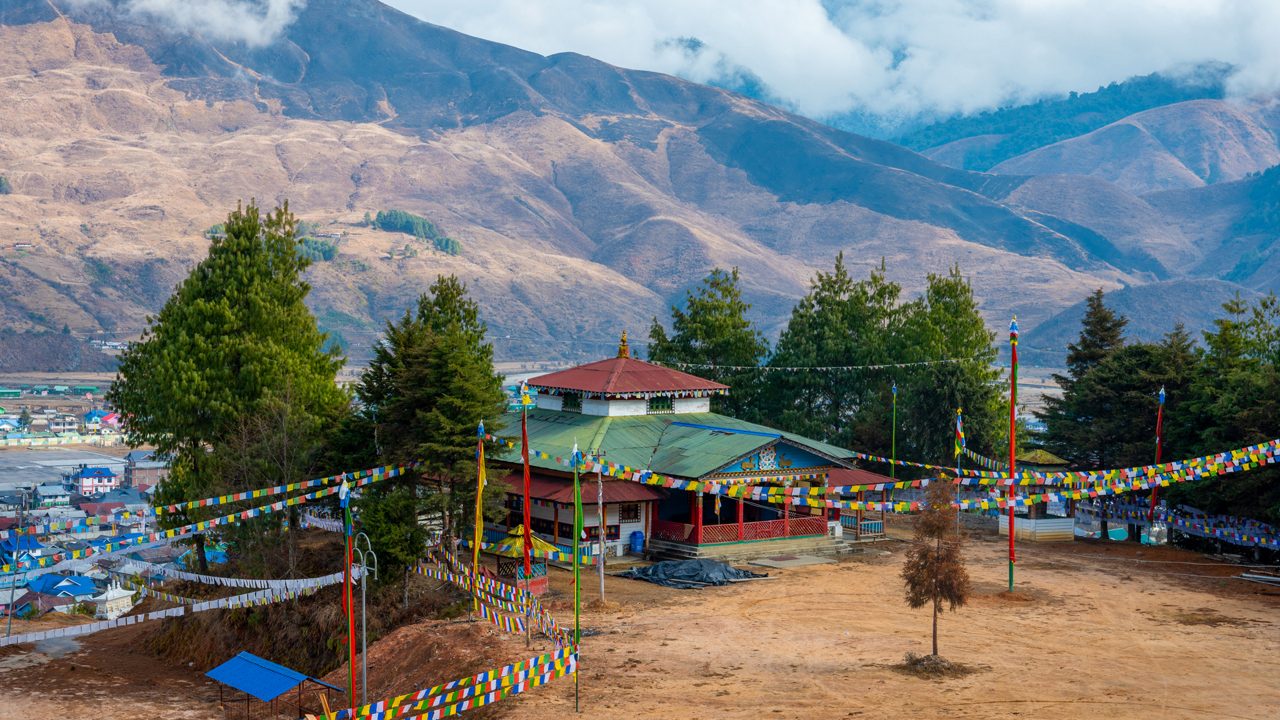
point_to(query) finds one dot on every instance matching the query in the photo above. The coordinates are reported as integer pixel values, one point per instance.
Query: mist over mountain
(581, 198)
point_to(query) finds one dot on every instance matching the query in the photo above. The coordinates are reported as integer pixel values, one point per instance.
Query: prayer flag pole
(1013, 435)
(893, 455)
(528, 533)
(577, 563)
(960, 445)
(1155, 490)
(348, 594)
(479, 529)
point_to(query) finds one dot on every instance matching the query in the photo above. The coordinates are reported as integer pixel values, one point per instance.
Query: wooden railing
(674, 531)
(761, 530)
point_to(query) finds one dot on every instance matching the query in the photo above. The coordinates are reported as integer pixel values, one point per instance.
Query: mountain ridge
(577, 218)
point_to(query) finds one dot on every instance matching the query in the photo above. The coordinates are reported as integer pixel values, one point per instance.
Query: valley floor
(1096, 631)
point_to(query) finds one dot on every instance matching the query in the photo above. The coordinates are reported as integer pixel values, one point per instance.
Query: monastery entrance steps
(821, 545)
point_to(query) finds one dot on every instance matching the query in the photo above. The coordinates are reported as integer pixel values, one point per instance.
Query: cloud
(891, 58)
(253, 22)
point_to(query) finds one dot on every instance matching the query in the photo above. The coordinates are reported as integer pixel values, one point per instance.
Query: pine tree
(1101, 333)
(945, 323)
(234, 334)
(1235, 401)
(934, 571)
(712, 330)
(1068, 419)
(840, 322)
(430, 383)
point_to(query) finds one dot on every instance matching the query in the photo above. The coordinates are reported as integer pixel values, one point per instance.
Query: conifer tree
(1069, 418)
(235, 333)
(712, 330)
(430, 383)
(840, 322)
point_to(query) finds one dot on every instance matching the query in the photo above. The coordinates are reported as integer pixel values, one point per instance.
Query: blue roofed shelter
(262, 679)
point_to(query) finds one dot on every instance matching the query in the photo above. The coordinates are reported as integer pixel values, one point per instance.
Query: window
(629, 513)
(612, 532)
(660, 405)
(571, 402)
(515, 502)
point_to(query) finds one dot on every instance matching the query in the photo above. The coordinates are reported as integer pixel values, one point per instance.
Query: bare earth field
(1094, 631)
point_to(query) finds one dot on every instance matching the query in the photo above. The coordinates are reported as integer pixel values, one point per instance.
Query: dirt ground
(1097, 631)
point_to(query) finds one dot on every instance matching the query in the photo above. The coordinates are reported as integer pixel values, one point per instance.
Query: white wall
(691, 405)
(596, 406)
(549, 402)
(591, 519)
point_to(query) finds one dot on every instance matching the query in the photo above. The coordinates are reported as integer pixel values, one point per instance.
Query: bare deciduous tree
(934, 572)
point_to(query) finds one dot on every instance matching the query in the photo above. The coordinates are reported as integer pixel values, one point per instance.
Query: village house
(92, 420)
(144, 468)
(651, 418)
(64, 424)
(93, 481)
(51, 496)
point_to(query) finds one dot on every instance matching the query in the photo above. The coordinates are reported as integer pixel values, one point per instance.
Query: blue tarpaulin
(260, 678)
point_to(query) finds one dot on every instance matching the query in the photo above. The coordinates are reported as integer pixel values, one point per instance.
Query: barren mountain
(585, 197)
(1183, 145)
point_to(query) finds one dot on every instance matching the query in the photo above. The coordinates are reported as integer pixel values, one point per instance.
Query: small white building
(113, 603)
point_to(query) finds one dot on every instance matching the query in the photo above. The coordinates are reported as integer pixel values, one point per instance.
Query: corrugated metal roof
(624, 375)
(687, 445)
(558, 489)
(260, 678)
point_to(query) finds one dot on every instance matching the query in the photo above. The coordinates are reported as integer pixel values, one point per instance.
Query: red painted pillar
(555, 524)
(697, 519)
(741, 534)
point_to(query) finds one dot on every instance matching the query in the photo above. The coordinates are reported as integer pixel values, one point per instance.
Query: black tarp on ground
(688, 574)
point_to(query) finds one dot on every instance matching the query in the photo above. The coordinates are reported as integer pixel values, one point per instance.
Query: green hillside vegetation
(5, 187)
(1027, 127)
(317, 250)
(1264, 206)
(1259, 226)
(417, 226)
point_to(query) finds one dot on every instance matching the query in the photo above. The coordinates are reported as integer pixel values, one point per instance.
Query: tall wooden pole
(478, 533)
(604, 526)
(1013, 436)
(348, 594)
(528, 532)
(1151, 513)
(577, 574)
(893, 455)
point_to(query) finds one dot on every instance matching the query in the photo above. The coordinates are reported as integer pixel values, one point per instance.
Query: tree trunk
(935, 628)
(406, 587)
(202, 560)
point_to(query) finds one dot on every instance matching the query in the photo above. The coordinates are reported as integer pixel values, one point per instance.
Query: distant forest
(1027, 127)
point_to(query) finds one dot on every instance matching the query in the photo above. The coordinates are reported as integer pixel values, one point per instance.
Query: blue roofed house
(77, 587)
(90, 481)
(93, 420)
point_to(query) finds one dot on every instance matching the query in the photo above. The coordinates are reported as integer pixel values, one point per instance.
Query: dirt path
(1083, 637)
(1096, 631)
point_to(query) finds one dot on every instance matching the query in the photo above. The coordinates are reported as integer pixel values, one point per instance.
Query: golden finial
(623, 350)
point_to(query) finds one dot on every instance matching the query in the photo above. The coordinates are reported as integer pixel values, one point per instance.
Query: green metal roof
(650, 441)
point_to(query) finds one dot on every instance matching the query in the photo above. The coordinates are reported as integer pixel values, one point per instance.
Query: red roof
(839, 477)
(101, 508)
(555, 489)
(625, 375)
